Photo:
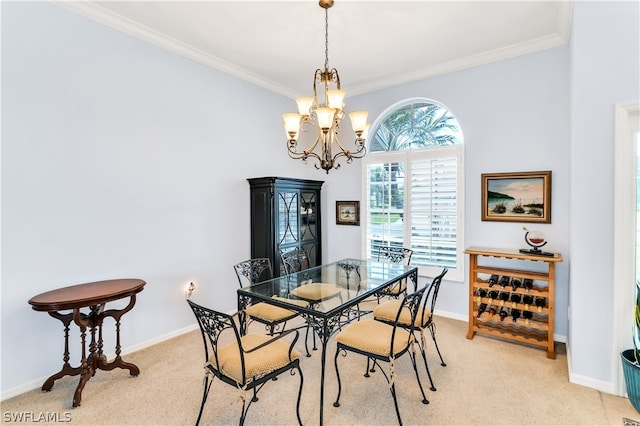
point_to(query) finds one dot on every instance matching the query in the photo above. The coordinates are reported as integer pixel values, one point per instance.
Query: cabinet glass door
(288, 217)
(308, 225)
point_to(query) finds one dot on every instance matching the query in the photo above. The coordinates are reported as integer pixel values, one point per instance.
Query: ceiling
(374, 44)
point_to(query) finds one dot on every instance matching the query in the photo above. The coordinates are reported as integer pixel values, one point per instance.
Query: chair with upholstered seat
(274, 318)
(394, 254)
(245, 362)
(386, 312)
(382, 342)
(296, 261)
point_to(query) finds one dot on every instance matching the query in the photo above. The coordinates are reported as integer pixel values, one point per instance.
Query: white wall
(513, 114)
(605, 71)
(120, 159)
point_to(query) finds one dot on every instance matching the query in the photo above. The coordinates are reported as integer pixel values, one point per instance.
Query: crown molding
(126, 25)
(121, 23)
(564, 16)
(461, 64)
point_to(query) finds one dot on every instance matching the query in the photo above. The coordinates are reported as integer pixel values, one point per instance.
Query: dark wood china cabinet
(285, 213)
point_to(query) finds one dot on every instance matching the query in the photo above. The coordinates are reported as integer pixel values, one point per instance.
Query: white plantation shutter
(433, 213)
(429, 221)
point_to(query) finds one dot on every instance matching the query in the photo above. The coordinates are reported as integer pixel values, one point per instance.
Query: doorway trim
(624, 259)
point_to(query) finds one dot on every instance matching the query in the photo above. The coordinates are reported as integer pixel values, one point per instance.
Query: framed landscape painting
(517, 197)
(348, 212)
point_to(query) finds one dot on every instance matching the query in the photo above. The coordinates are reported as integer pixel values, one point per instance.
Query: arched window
(414, 179)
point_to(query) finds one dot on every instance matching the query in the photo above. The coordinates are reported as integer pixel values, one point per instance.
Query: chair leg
(243, 413)
(433, 336)
(415, 368)
(423, 345)
(299, 395)
(395, 402)
(205, 393)
(373, 368)
(335, 362)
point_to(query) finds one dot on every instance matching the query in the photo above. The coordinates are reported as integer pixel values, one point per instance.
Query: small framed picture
(348, 212)
(517, 197)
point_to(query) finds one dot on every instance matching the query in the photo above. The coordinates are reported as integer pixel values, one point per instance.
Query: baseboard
(37, 383)
(578, 379)
(451, 315)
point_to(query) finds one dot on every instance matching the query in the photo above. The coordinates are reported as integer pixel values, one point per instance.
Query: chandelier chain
(326, 39)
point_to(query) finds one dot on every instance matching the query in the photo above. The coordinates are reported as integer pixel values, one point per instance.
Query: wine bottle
(504, 281)
(481, 293)
(503, 314)
(503, 296)
(492, 311)
(516, 283)
(527, 315)
(481, 309)
(515, 298)
(515, 314)
(492, 295)
(527, 283)
(541, 302)
(493, 280)
(527, 300)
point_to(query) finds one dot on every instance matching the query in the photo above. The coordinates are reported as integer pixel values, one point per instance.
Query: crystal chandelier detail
(324, 119)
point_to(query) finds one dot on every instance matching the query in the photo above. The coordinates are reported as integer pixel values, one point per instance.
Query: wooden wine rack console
(538, 330)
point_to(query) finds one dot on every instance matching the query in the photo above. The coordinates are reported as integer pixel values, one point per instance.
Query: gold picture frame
(348, 212)
(517, 197)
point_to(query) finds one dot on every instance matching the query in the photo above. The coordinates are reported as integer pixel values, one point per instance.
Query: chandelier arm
(310, 149)
(360, 147)
(316, 77)
(304, 155)
(301, 154)
(360, 153)
(336, 77)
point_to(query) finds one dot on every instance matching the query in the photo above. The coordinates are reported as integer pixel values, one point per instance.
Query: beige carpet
(486, 382)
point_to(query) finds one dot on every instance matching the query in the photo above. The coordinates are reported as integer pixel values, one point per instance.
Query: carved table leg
(87, 369)
(67, 369)
(101, 361)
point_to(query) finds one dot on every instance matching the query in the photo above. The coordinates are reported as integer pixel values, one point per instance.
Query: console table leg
(67, 369)
(87, 366)
(118, 362)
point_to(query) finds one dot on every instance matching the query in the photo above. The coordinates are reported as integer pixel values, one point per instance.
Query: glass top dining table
(333, 292)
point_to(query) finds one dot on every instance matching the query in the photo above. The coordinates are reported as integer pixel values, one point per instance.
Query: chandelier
(323, 119)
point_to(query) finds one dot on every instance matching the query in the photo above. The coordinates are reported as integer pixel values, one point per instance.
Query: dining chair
(245, 362)
(296, 261)
(383, 342)
(394, 254)
(386, 312)
(274, 318)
